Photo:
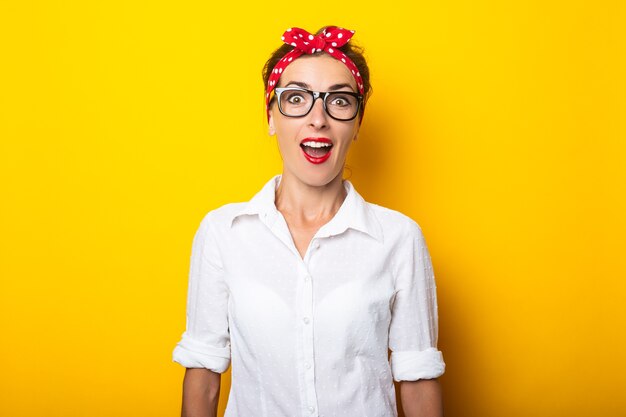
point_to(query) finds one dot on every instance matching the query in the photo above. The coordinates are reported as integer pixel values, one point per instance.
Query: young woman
(307, 287)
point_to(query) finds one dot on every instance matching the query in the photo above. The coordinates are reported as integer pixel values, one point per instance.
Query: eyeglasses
(298, 102)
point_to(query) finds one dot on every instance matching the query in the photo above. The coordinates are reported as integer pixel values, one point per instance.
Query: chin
(320, 178)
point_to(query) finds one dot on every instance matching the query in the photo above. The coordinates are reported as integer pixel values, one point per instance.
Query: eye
(295, 98)
(341, 101)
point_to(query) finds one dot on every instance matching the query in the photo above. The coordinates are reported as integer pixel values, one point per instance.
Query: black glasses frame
(318, 94)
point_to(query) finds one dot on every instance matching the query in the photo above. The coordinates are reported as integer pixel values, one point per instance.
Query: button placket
(306, 335)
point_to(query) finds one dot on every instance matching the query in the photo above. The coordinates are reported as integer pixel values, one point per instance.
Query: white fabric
(310, 337)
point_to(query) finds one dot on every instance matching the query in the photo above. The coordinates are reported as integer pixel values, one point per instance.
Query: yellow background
(498, 126)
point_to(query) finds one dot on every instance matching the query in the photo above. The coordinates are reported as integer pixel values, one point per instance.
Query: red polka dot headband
(304, 43)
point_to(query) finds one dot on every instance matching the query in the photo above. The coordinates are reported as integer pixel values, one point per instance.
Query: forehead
(319, 72)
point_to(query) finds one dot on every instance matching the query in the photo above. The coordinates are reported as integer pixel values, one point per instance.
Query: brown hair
(354, 52)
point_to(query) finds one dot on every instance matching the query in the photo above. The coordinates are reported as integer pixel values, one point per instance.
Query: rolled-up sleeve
(414, 324)
(206, 341)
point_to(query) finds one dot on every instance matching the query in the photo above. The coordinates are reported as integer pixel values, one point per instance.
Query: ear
(271, 130)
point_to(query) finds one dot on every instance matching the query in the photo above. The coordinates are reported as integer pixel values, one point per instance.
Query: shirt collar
(354, 212)
(263, 202)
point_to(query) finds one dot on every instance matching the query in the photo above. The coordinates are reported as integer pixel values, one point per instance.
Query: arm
(415, 360)
(421, 398)
(201, 392)
(204, 349)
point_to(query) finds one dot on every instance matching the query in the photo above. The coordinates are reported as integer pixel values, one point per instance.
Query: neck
(309, 204)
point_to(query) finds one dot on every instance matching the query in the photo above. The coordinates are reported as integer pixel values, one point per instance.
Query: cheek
(285, 132)
(346, 143)
(282, 123)
(350, 133)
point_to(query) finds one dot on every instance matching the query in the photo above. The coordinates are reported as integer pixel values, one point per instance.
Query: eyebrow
(333, 87)
(338, 86)
(299, 84)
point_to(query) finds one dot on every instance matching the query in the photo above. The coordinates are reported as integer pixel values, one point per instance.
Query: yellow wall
(502, 132)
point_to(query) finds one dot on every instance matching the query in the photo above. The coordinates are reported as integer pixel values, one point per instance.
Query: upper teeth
(317, 144)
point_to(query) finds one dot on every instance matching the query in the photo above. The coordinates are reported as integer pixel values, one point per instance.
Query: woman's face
(310, 164)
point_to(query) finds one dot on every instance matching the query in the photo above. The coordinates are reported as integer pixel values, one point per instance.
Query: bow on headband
(303, 42)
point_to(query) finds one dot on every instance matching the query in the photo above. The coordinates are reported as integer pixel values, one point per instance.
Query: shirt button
(311, 409)
(306, 320)
(307, 365)
(307, 278)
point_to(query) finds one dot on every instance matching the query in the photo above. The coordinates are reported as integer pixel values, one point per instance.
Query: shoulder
(219, 219)
(395, 224)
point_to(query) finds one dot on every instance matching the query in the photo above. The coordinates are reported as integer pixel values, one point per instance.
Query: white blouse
(310, 337)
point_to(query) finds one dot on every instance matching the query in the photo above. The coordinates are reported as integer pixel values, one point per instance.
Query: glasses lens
(295, 102)
(341, 105)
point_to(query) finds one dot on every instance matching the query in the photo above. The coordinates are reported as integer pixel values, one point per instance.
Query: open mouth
(316, 150)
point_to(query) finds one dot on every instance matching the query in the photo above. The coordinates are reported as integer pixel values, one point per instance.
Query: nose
(318, 117)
